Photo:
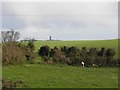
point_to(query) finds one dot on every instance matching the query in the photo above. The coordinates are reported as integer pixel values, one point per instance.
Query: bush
(58, 56)
(83, 56)
(109, 56)
(44, 52)
(31, 45)
(12, 84)
(74, 56)
(12, 53)
(113, 63)
(101, 58)
(91, 56)
(102, 52)
(29, 52)
(100, 61)
(65, 49)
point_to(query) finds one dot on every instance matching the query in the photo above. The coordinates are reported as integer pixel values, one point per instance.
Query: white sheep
(82, 64)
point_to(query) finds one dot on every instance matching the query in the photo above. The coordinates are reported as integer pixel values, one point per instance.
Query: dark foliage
(74, 56)
(12, 84)
(16, 53)
(44, 52)
(12, 53)
(58, 55)
(29, 51)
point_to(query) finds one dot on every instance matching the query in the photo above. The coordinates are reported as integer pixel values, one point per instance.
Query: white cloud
(65, 18)
(34, 32)
(60, 0)
(34, 12)
(63, 8)
(0, 15)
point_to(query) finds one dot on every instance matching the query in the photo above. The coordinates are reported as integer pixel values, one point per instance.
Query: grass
(83, 43)
(61, 76)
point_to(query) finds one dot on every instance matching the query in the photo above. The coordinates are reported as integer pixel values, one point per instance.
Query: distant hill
(82, 43)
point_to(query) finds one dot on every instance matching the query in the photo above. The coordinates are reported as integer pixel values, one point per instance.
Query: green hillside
(81, 43)
(64, 76)
(61, 76)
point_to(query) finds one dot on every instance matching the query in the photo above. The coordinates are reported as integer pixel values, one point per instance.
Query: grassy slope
(59, 76)
(83, 43)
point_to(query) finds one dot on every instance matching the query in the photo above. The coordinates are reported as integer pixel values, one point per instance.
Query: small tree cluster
(58, 56)
(29, 51)
(12, 53)
(10, 36)
(44, 52)
(15, 52)
(74, 56)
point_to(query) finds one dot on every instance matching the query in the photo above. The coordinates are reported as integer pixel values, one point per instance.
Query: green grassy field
(60, 76)
(80, 44)
(83, 43)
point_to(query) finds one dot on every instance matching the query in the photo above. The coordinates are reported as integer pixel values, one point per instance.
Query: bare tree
(10, 36)
(4, 36)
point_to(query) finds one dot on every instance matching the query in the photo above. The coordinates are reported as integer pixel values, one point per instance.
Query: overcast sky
(62, 20)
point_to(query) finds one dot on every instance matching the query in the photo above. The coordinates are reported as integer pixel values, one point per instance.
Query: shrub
(102, 52)
(31, 45)
(12, 53)
(91, 56)
(44, 52)
(100, 61)
(113, 63)
(83, 55)
(74, 55)
(65, 49)
(58, 56)
(109, 56)
(29, 52)
(12, 84)
(101, 58)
